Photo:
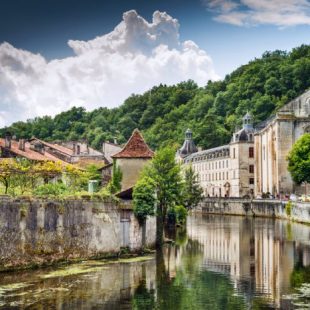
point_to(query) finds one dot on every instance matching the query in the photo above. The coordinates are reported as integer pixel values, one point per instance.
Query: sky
(56, 54)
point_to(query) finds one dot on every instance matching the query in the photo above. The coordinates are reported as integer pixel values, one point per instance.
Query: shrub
(50, 189)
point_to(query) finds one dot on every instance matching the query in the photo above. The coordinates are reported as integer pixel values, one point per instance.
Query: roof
(188, 146)
(55, 146)
(28, 153)
(135, 147)
(207, 152)
(125, 194)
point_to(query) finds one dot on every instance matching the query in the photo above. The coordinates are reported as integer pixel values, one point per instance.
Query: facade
(132, 158)
(273, 141)
(225, 171)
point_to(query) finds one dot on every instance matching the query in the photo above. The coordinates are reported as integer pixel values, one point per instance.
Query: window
(234, 153)
(219, 165)
(251, 181)
(251, 168)
(251, 152)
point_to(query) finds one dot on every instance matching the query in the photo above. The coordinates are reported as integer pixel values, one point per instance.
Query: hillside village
(253, 164)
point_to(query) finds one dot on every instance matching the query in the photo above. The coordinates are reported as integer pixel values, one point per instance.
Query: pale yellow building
(225, 171)
(273, 141)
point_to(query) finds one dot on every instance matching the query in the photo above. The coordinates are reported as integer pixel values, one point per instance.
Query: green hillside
(164, 112)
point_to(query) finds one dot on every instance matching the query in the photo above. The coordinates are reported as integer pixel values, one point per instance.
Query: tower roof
(247, 116)
(188, 146)
(135, 147)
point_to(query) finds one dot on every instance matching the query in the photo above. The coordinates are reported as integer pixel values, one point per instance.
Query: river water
(217, 262)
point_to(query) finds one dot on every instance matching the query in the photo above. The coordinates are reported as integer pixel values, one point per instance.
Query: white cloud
(135, 56)
(282, 13)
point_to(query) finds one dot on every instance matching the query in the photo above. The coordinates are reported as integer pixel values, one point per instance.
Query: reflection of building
(255, 253)
(225, 171)
(274, 141)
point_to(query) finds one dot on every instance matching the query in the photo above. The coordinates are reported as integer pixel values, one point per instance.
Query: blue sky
(224, 35)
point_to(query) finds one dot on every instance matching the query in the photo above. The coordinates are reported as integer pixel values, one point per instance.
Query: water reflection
(215, 263)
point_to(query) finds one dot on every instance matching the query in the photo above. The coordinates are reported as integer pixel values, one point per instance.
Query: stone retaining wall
(296, 211)
(42, 231)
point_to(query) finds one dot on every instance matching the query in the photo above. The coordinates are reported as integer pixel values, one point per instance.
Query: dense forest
(163, 113)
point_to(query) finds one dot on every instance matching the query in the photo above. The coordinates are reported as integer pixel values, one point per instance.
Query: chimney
(21, 145)
(115, 141)
(7, 140)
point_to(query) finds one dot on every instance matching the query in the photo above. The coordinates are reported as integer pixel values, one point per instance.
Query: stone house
(132, 158)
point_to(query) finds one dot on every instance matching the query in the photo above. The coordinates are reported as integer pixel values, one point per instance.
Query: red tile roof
(28, 153)
(135, 148)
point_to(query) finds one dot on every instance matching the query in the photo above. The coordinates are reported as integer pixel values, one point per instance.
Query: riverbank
(288, 210)
(45, 232)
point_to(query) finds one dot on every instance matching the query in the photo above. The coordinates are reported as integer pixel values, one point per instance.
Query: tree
(9, 168)
(144, 202)
(192, 191)
(165, 173)
(115, 184)
(299, 160)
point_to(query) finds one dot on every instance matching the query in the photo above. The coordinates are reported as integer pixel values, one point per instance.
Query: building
(72, 152)
(132, 158)
(109, 149)
(11, 148)
(273, 141)
(225, 171)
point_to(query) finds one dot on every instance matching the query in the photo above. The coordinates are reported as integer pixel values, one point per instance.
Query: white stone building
(225, 171)
(273, 141)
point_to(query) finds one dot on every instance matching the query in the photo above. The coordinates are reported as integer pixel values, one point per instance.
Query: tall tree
(192, 191)
(144, 202)
(165, 173)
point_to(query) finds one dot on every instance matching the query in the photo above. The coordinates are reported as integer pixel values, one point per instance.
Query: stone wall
(296, 211)
(46, 230)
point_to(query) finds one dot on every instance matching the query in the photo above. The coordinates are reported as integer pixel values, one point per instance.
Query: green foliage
(144, 198)
(288, 208)
(115, 184)
(165, 173)
(299, 160)
(51, 189)
(192, 191)
(177, 215)
(164, 112)
(300, 275)
(93, 173)
(23, 177)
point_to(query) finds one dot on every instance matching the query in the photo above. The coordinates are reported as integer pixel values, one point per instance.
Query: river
(217, 262)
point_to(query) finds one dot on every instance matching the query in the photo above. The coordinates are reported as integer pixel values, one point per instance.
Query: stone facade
(273, 141)
(228, 170)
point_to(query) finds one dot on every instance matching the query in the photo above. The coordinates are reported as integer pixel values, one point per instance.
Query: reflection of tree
(300, 275)
(143, 297)
(192, 287)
